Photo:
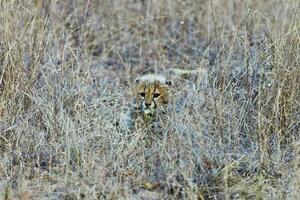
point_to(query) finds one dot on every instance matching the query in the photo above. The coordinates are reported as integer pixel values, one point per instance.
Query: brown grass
(65, 74)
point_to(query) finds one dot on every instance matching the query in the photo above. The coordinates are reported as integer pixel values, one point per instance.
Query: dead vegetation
(65, 73)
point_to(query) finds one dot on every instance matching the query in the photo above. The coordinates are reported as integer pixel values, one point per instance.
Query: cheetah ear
(168, 82)
(137, 80)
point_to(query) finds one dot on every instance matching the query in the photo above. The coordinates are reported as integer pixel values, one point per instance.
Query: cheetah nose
(147, 105)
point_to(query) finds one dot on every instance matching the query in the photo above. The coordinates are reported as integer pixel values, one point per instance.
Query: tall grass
(66, 69)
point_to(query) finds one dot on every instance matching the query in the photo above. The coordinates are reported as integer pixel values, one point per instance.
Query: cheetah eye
(142, 94)
(156, 95)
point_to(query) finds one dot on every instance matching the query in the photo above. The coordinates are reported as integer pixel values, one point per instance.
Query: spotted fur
(151, 93)
(150, 97)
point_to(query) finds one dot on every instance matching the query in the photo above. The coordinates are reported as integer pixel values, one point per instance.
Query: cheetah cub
(150, 98)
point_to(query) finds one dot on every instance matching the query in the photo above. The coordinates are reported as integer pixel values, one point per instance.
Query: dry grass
(66, 69)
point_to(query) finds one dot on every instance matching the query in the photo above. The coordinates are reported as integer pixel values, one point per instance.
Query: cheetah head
(151, 92)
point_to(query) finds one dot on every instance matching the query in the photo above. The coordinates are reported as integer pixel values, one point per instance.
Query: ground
(66, 69)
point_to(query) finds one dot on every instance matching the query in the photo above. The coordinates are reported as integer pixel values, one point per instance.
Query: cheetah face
(152, 94)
